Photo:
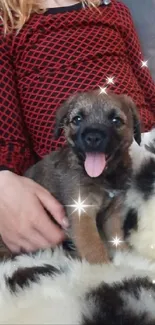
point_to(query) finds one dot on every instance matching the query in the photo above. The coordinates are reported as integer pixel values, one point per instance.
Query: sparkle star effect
(110, 80)
(103, 90)
(116, 241)
(79, 206)
(144, 64)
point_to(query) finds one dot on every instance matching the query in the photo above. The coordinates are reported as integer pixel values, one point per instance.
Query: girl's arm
(15, 149)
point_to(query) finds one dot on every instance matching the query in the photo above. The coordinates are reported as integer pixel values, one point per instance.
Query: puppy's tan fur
(63, 174)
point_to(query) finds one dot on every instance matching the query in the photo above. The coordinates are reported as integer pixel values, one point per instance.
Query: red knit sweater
(54, 55)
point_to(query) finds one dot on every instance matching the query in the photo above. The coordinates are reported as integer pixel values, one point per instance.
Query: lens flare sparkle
(116, 241)
(79, 205)
(103, 90)
(110, 80)
(144, 64)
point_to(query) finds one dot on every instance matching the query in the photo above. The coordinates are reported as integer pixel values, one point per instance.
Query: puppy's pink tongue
(94, 164)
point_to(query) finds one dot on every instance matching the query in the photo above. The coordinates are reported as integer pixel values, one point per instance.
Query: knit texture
(56, 55)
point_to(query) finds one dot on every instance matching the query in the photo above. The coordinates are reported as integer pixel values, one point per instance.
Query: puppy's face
(98, 127)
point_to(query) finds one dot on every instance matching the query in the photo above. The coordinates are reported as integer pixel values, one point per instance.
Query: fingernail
(65, 223)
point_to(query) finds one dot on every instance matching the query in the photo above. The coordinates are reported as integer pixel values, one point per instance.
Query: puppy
(139, 201)
(93, 166)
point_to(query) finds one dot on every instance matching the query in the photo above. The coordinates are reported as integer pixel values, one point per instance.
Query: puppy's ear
(60, 116)
(136, 118)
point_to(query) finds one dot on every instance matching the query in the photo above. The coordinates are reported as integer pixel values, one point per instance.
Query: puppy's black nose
(93, 139)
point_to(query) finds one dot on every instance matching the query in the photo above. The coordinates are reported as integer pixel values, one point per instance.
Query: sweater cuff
(15, 157)
(5, 168)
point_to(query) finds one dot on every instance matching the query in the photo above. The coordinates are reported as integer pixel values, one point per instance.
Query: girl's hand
(24, 224)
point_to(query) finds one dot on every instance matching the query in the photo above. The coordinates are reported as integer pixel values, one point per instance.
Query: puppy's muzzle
(94, 140)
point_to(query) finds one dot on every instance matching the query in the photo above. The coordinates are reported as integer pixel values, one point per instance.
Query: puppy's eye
(77, 119)
(117, 121)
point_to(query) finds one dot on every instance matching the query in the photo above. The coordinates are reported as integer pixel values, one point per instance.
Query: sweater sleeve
(136, 59)
(15, 150)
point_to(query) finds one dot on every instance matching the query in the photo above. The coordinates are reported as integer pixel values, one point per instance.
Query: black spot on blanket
(24, 276)
(108, 304)
(131, 222)
(145, 178)
(151, 146)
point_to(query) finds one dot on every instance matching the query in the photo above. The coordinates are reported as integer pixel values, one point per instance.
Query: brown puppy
(94, 164)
